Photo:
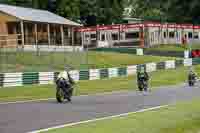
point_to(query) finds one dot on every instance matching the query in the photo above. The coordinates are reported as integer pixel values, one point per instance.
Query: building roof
(36, 15)
(132, 19)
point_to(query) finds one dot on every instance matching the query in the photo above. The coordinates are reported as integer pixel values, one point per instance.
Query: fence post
(49, 35)
(22, 33)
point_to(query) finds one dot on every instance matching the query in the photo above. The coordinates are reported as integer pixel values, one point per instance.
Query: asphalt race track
(26, 117)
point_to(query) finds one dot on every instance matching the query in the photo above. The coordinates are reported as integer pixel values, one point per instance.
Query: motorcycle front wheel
(60, 95)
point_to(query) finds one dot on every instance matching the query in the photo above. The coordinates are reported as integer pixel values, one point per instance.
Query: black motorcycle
(63, 91)
(191, 79)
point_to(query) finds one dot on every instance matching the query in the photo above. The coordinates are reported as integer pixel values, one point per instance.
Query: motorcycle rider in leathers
(142, 76)
(65, 82)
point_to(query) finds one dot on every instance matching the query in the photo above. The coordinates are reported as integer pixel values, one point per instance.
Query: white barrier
(46, 77)
(47, 48)
(131, 70)
(94, 74)
(187, 62)
(75, 75)
(170, 64)
(139, 51)
(112, 72)
(13, 79)
(151, 67)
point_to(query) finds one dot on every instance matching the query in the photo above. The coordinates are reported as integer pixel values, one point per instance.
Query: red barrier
(195, 53)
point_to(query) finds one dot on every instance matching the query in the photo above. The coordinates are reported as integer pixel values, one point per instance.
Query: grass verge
(27, 61)
(159, 78)
(172, 119)
(174, 47)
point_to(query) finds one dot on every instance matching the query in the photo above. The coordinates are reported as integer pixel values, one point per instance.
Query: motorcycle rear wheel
(191, 84)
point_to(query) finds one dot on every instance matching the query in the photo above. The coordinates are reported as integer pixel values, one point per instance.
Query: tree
(40, 4)
(146, 9)
(185, 11)
(24, 3)
(69, 9)
(88, 12)
(110, 11)
(180, 11)
(117, 11)
(94, 12)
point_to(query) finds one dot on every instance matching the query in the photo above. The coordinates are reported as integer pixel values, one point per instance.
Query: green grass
(160, 78)
(12, 62)
(168, 48)
(180, 118)
(175, 47)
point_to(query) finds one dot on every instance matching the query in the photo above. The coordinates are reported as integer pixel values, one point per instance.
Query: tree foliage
(92, 12)
(68, 8)
(180, 11)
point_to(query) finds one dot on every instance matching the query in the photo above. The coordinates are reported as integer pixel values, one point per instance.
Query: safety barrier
(29, 78)
(42, 48)
(139, 51)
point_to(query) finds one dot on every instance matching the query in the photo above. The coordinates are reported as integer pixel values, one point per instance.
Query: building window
(87, 36)
(190, 35)
(103, 37)
(66, 31)
(165, 34)
(93, 36)
(11, 27)
(114, 36)
(171, 34)
(43, 28)
(196, 35)
(132, 35)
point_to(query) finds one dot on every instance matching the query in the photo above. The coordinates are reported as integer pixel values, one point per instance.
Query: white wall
(47, 48)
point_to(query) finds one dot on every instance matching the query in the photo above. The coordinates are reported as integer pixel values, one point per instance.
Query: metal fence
(14, 57)
(20, 60)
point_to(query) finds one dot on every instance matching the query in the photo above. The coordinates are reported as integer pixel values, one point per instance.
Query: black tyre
(145, 85)
(140, 87)
(145, 88)
(70, 95)
(69, 99)
(60, 95)
(191, 83)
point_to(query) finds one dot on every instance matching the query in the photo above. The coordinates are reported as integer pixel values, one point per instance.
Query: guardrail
(180, 54)
(29, 78)
(139, 51)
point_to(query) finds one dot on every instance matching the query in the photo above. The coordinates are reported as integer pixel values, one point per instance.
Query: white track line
(98, 119)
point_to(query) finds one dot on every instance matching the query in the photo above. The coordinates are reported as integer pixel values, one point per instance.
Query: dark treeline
(88, 12)
(92, 12)
(180, 11)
